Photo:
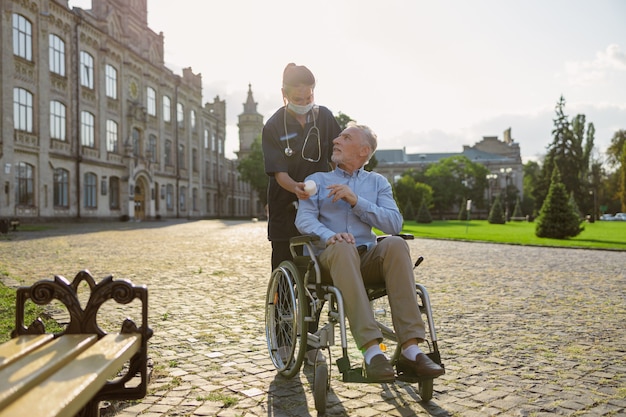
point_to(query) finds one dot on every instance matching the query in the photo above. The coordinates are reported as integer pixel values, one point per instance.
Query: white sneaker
(314, 356)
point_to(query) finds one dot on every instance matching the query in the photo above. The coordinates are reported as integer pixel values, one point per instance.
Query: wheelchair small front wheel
(320, 387)
(285, 312)
(425, 389)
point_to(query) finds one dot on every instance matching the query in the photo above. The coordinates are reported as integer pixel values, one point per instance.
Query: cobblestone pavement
(524, 331)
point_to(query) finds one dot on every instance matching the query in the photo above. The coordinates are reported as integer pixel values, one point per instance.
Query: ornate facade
(95, 126)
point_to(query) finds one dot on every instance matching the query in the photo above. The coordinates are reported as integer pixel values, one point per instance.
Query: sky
(428, 76)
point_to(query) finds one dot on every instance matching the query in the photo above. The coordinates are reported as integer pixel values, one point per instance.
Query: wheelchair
(296, 297)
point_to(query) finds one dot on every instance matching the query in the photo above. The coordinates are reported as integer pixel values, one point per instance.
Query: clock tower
(250, 125)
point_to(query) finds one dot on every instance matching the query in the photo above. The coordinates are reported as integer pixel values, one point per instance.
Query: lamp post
(490, 179)
(507, 174)
(595, 202)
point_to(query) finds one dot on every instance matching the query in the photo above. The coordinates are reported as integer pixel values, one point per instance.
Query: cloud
(532, 130)
(587, 72)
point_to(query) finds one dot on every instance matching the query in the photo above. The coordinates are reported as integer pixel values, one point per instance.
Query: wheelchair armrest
(303, 239)
(405, 236)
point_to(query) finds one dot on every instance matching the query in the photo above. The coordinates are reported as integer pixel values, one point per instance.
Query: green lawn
(598, 235)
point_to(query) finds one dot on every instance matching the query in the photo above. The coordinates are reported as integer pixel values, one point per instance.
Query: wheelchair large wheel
(285, 312)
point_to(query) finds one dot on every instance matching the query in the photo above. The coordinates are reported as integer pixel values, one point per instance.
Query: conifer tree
(496, 215)
(557, 218)
(423, 215)
(409, 211)
(517, 211)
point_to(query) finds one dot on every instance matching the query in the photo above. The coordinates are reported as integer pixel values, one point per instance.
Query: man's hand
(342, 192)
(341, 237)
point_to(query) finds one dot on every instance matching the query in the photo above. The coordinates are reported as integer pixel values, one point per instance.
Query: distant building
(95, 126)
(495, 154)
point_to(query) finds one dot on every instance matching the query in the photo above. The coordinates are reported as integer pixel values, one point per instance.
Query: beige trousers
(388, 264)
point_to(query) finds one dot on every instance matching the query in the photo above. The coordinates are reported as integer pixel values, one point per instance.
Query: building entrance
(140, 201)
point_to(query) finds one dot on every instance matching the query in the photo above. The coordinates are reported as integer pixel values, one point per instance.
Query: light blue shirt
(375, 207)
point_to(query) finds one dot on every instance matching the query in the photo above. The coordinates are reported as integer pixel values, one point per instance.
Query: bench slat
(64, 393)
(20, 346)
(28, 371)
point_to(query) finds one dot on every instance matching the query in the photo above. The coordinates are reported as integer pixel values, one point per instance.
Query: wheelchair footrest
(354, 375)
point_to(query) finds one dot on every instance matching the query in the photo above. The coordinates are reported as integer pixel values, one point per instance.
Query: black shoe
(422, 366)
(379, 370)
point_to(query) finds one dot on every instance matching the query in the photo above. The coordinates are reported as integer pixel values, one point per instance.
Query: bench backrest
(84, 321)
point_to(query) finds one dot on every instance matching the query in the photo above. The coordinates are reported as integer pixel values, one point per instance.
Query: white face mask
(300, 109)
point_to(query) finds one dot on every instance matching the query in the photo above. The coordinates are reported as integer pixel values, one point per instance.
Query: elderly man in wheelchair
(347, 258)
(350, 202)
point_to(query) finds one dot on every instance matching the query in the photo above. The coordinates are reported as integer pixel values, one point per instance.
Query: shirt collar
(345, 174)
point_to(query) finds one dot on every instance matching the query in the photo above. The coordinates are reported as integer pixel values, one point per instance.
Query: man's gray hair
(368, 134)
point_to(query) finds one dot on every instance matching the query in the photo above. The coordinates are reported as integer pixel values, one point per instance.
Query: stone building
(95, 126)
(501, 157)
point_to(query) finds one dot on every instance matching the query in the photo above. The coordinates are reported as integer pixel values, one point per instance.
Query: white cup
(310, 187)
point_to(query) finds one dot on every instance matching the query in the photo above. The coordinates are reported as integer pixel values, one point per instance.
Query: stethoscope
(313, 131)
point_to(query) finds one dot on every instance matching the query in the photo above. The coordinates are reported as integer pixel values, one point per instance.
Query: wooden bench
(69, 373)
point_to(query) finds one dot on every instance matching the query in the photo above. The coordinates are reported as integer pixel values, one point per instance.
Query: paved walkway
(523, 331)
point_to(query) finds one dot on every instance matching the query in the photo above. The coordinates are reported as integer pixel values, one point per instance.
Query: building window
(194, 160)
(192, 119)
(24, 195)
(167, 109)
(152, 148)
(169, 197)
(61, 184)
(111, 81)
(22, 37)
(181, 156)
(87, 129)
(86, 70)
(168, 153)
(112, 137)
(194, 199)
(114, 193)
(182, 199)
(91, 190)
(136, 142)
(57, 121)
(22, 110)
(56, 54)
(151, 101)
(206, 138)
(180, 114)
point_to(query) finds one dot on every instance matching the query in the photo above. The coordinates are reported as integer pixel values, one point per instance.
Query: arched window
(114, 193)
(167, 109)
(169, 197)
(152, 148)
(22, 110)
(86, 70)
(91, 190)
(56, 54)
(61, 184)
(87, 129)
(22, 37)
(112, 136)
(111, 81)
(24, 191)
(151, 101)
(58, 121)
(136, 142)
